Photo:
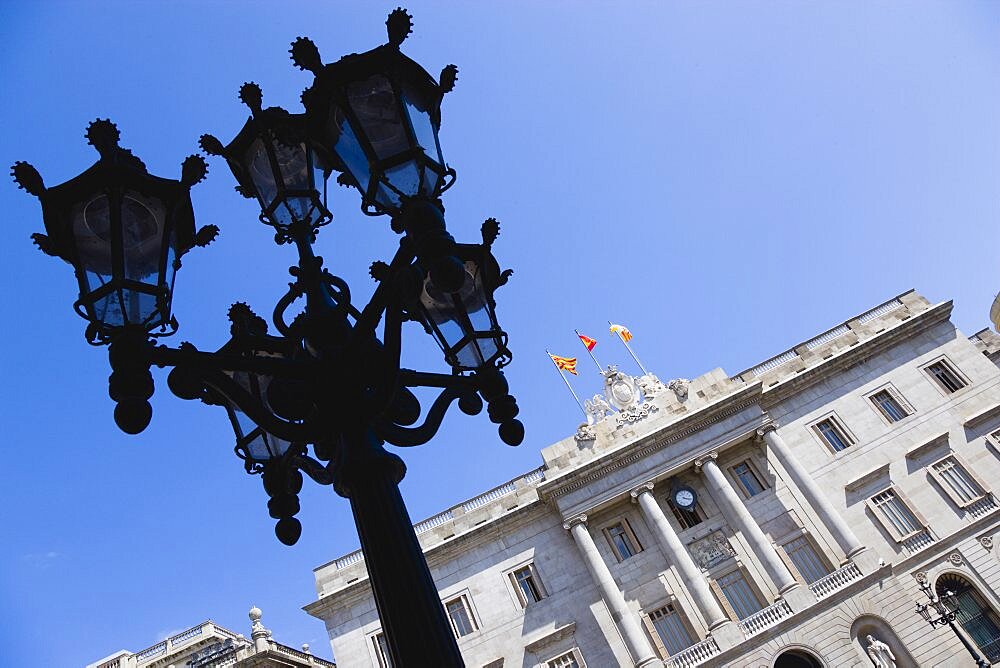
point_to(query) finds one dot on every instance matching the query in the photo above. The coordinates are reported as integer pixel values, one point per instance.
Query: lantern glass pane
(108, 309)
(139, 306)
(431, 181)
(348, 148)
(261, 173)
(377, 110)
(91, 223)
(142, 236)
(294, 165)
(420, 118)
(405, 178)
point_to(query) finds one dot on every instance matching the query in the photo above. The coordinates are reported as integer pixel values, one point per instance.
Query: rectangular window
(888, 405)
(739, 594)
(833, 434)
(527, 585)
(895, 514)
(752, 484)
(945, 376)
(959, 483)
(462, 621)
(671, 630)
(806, 561)
(381, 648)
(686, 518)
(622, 540)
(570, 659)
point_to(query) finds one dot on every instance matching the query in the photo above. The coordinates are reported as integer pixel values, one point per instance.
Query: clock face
(684, 497)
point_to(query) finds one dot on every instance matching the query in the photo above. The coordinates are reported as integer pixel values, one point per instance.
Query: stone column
(830, 518)
(635, 639)
(678, 555)
(739, 518)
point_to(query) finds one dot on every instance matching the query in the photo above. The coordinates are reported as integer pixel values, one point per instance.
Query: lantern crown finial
(103, 135)
(27, 178)
(449, 75)
(305, 55)
(399, 25)
(193, 170)
(252, 96)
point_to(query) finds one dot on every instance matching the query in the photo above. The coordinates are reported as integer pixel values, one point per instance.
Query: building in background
(783, 516)
(209, 645)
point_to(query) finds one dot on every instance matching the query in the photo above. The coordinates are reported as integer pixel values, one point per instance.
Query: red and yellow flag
(622, 331)
(565, 363)
(588, 342)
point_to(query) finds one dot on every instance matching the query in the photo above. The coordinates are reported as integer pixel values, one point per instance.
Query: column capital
(573, 521)
(764, 428)
(641, 489)
(708, 456)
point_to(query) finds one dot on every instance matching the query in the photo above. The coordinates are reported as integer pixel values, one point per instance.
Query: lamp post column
(831, 519)
(413, 619)
(635, 640)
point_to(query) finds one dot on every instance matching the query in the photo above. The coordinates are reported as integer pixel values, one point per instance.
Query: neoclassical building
(209, 645)
(783, 516)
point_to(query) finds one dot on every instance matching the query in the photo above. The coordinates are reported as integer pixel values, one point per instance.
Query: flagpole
(629, 349)
(566, 380)
(590, 352)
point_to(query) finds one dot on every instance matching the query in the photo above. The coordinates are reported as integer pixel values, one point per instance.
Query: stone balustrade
(694, 655)
(766, 618)
(917, 541)
(841, 577)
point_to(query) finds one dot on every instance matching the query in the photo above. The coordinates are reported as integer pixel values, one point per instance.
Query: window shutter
(881, 519)
(899, 398)
(972, 473)
(651, 630)
(517, 589)
(722, 600)
(789, 564)
(538, 581)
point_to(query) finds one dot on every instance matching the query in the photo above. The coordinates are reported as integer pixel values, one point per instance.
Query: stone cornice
(867, 348)
(672, 433)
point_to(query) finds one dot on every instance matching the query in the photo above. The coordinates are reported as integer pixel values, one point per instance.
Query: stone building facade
(209, 645)
(828, 483)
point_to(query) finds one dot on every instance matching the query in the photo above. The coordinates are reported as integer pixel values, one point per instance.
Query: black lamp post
(946, 607)
(329, 379)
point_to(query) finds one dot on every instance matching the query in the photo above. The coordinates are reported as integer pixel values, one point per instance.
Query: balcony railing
(982, 506)
(766, 618)
(838, 579)
(694, 655)
(917, 541)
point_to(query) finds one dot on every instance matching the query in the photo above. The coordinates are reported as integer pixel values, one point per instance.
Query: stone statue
(596, 409)
(880, 654)
(680, 388)
(650, 386)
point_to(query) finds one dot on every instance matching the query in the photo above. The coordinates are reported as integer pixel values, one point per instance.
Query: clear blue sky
(727, 179)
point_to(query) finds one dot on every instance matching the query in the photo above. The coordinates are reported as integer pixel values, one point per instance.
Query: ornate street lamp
(326, 393)
(946, 607)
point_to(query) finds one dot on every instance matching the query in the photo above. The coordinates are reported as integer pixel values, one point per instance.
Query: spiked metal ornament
(123, 230)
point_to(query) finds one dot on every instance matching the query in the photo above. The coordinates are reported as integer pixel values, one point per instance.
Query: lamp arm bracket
(314, 469)
(289, 431)
(411, 436)
(295, 291)
(411, 378)
(188, 356)
(372, 313)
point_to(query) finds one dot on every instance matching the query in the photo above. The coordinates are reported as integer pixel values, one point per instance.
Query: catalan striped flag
(622, 331)
(564, 363)
(588, 342)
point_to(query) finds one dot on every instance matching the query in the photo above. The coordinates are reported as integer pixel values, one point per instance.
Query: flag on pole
(564, 363)
(588, 342)
(622, 331)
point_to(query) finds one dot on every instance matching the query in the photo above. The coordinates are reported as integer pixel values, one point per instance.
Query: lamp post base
(416, 628)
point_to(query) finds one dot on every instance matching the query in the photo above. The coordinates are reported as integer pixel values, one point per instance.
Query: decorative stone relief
(712, 550)
(585, 433)
(596, 409)
(650, 386)
(920, 576)
(955, 558)
(986, 542)
(634, 414)
(620, 389)
(680, 388)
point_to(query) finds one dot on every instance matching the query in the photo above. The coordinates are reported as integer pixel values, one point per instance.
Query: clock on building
(685, 497)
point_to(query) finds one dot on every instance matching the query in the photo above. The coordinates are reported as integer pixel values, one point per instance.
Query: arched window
(796, 658)
(975, 615)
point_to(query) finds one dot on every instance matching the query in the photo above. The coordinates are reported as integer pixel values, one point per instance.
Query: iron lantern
(275, 162)
(379, 112)
(123, 230)
(464, 322)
